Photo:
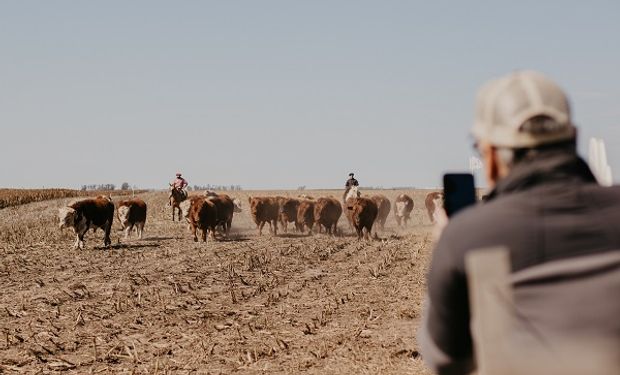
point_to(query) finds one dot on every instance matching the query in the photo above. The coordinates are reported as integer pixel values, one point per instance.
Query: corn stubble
(165, 304)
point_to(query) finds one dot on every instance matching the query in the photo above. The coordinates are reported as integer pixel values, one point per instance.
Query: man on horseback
(349, 184)
(179, 184)
(177, 194)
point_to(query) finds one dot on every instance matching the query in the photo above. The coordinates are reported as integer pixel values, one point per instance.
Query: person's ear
(491, 164)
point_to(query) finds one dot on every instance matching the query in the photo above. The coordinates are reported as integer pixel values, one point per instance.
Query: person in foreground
(545, 206)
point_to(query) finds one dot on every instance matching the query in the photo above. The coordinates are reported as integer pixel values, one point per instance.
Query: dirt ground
(286, 304)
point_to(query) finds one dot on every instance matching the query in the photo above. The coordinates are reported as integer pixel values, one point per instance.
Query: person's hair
(512, 156)
(536, 125)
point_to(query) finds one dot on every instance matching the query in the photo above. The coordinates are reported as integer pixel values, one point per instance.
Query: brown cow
(225, 209)
(384, 206)
(362, 213)
(200, 213)
(132, 212)
(403, 205)
(85, 214)
(433, 202)
(327, 211)
(265, 210)
(288, 213)
(305, 215)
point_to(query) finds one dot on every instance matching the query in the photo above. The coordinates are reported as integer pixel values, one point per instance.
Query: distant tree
(125, 186)
(302, 188)
(84, 188)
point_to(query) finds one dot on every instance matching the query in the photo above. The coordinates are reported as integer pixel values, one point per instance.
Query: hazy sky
(278, 94)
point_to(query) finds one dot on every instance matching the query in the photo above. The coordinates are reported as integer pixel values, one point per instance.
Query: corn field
(16, 197)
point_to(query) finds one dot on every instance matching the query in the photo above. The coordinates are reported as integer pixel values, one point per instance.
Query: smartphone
(458, 192)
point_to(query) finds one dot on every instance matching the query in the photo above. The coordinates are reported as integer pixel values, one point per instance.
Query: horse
(176, 197)
(352, 192)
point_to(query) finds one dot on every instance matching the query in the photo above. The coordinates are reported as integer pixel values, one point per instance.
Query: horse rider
(179, 184)
(350, 183)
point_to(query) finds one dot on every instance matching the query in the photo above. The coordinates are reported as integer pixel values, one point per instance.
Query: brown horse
(176, 197)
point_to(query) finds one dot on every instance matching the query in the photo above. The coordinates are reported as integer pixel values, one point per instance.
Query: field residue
(165, 304)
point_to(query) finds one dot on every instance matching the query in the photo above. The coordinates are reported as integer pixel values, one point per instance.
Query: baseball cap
(506, 105)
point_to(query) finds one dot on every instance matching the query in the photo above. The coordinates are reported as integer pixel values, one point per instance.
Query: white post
(597, 159)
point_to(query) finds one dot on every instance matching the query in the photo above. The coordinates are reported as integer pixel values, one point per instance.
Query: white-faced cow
(403, 205)
(433, 203)
(86, 214)
(132, 213)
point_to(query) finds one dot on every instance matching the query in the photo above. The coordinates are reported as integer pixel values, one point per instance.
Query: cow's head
(66, 216)
(352, 193)
(237, 205)
(438, 200)
(123, 215)
(254, 204)
(401, 207)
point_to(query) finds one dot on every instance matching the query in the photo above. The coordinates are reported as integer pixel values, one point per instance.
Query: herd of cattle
(212, 212)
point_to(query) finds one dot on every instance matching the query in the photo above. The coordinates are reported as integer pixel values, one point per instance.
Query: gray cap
(506, 106)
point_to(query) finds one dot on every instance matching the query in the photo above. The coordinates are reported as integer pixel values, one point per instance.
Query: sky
(281, 94)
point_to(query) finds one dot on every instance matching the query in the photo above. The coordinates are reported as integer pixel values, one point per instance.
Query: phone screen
(458, 192)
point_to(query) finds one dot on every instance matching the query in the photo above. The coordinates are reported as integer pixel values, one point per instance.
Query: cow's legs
(260, 228)
(204, 234)
(275, 227)
(194, 233)
(140, 229)
(212, 233)
(106, 239)
(368, 232)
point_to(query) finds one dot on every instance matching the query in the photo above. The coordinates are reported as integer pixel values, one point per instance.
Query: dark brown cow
(305, 215)
(225, 210)
(403, 205)
(265, 210)
(433, 201)
(362, 213)
(327, 211)
(201, 214)
(288, 213)
(384, 206)
(132, 212)
(85, 214)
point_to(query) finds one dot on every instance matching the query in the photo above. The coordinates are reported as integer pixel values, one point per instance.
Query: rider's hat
(351, 174)
(178, 174)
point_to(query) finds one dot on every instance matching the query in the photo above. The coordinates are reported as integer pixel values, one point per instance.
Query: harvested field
(286, 304)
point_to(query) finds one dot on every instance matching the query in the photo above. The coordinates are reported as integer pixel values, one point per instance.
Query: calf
(433, 202)
(384, 207)
(85, 214)
(265, 210)
(362, 213)
(288, 213)
(202, 214)
(403, 205)
(132, 212)
(327, 212)
(305, 215)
